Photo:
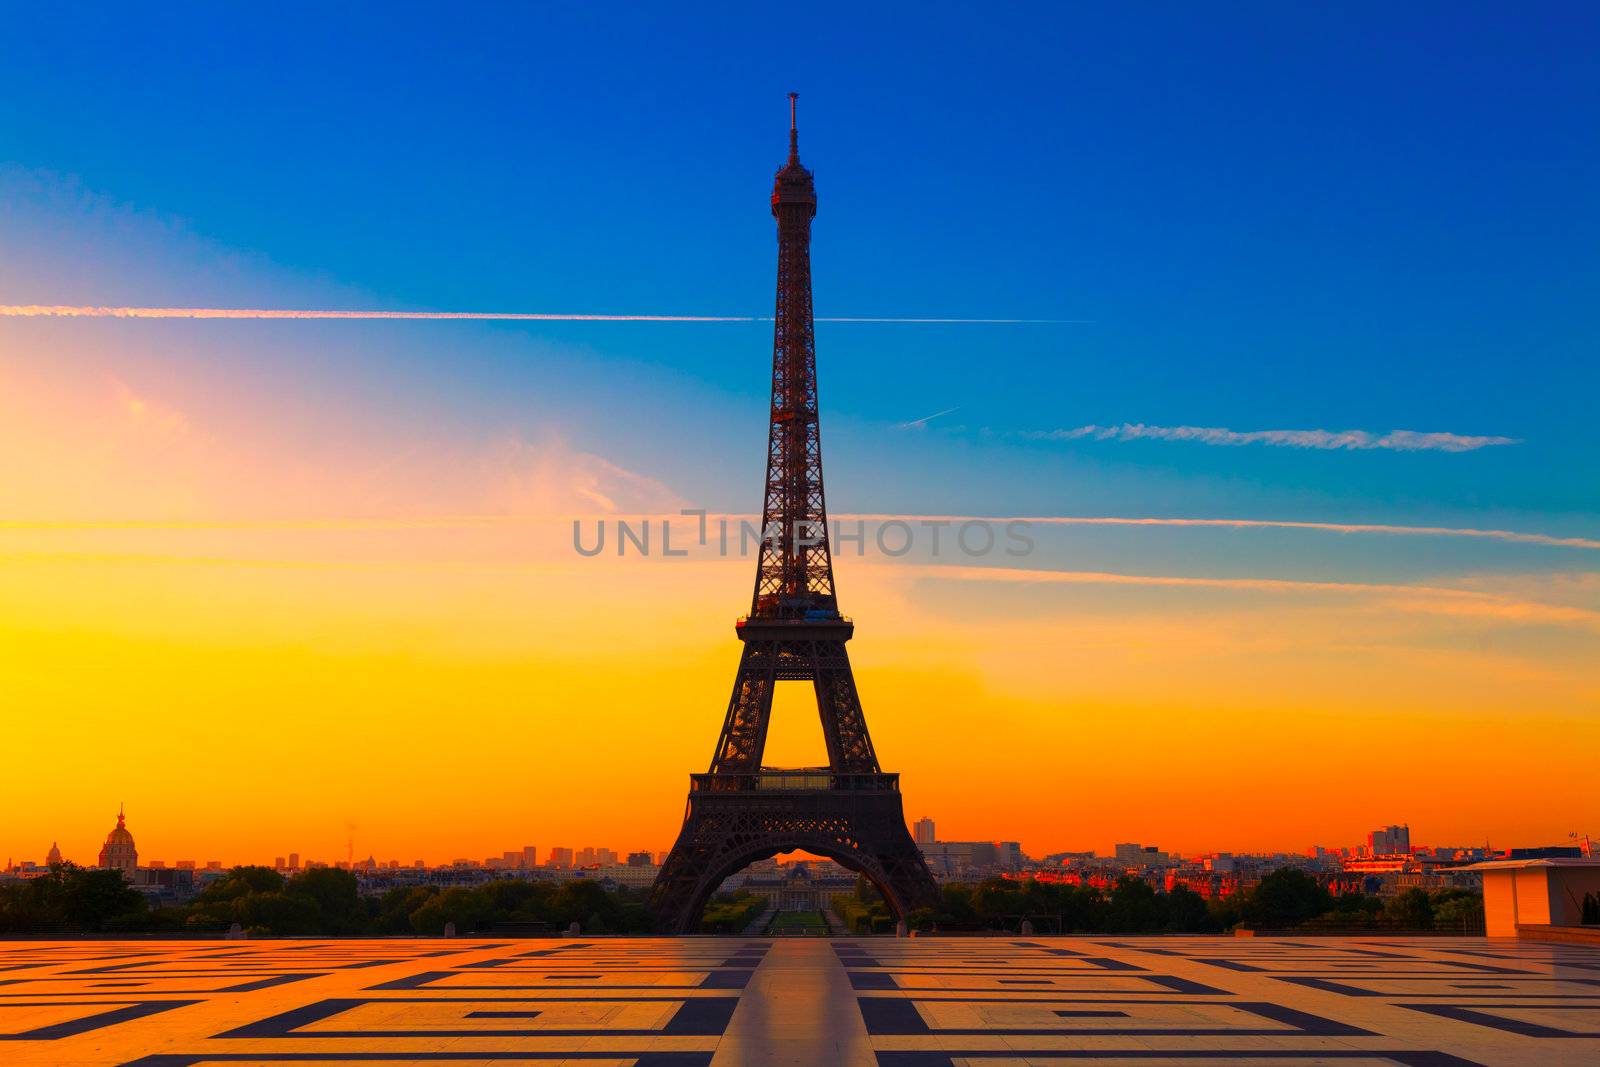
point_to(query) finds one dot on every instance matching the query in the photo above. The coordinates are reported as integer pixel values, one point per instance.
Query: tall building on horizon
(923, 831)
(119, 852)
(1392, 840)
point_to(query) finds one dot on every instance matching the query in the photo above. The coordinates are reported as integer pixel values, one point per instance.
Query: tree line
(323, 902)
(1285, 899)
(326, 902)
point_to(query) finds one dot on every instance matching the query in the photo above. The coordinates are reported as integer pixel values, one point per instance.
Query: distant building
(1389, 841)
(165, 885)
(54, 856)
(957, 859)
(119, 852)
(801, 887)
(294, 861)
(923, 831)
(1132, 854)
(640, 859)
(1547, 852)
(559, 857)
(530, 857)
(635, 876)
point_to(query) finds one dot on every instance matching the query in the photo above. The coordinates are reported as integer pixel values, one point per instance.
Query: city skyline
(1287, 361)
(565, 856)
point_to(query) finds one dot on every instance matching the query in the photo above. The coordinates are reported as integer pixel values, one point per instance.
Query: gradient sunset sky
(280, 585)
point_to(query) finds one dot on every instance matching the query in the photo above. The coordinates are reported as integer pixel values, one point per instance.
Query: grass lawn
(798, 922)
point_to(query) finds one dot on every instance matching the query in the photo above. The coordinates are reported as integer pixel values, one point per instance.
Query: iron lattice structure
(740, 811)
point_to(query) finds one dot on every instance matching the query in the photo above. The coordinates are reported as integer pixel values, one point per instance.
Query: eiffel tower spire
(794, 576)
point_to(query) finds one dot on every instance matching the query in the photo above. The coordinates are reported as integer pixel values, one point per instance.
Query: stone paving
(873, 1002)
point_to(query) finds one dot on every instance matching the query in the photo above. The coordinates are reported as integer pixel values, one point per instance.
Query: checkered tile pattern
(871, 1002)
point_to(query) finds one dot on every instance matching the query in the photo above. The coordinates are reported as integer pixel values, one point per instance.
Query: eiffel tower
(741, 811)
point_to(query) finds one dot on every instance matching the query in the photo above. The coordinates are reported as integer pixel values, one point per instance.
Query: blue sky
(1271, 219)
(1258, 217)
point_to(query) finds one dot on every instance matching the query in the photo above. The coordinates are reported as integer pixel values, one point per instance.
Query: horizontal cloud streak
(382, 522)
(59, 311)
(1418, 598)
(1326, 440)
(1514, 536)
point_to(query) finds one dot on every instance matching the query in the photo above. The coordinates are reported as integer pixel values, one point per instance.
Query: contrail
(67, 311)
(75, 312)
(926, 418)
(470, 520)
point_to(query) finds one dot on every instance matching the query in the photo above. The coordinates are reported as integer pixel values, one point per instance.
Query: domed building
(55, 855)
(118, 851)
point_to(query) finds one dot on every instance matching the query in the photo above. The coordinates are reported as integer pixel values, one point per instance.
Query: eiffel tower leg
(844, 726)
(744, 729)
(725, 831)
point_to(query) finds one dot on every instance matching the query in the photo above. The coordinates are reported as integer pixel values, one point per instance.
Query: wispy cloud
(1446, 600)
(57, 311)
(145, 414)
(1514, 536)
(1326, 440)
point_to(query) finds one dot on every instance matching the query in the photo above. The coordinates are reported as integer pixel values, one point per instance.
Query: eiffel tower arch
(741, 811)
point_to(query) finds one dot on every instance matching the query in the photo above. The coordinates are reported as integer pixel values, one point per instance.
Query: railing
(792, 620)
(803, 780)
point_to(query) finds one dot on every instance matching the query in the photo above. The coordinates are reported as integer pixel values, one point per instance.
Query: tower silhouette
(741, 811)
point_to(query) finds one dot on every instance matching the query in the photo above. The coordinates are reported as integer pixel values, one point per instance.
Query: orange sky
(199, 618)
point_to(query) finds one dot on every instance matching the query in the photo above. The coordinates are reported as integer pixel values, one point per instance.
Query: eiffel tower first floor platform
(734, 820)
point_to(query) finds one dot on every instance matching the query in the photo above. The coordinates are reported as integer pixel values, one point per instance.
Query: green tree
(100, 900)
(391, 913)
(465, 907)
(1458, 911)
(1133, 907)
(1184, 911)
(1286, 897)
(1411, 910)
(279, 913)
(336, 895)
(229, 899)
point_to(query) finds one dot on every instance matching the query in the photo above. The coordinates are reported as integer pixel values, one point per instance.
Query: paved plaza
(692, 1002)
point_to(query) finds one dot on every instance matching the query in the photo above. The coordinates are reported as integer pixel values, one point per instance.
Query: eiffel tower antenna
(741, 811)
